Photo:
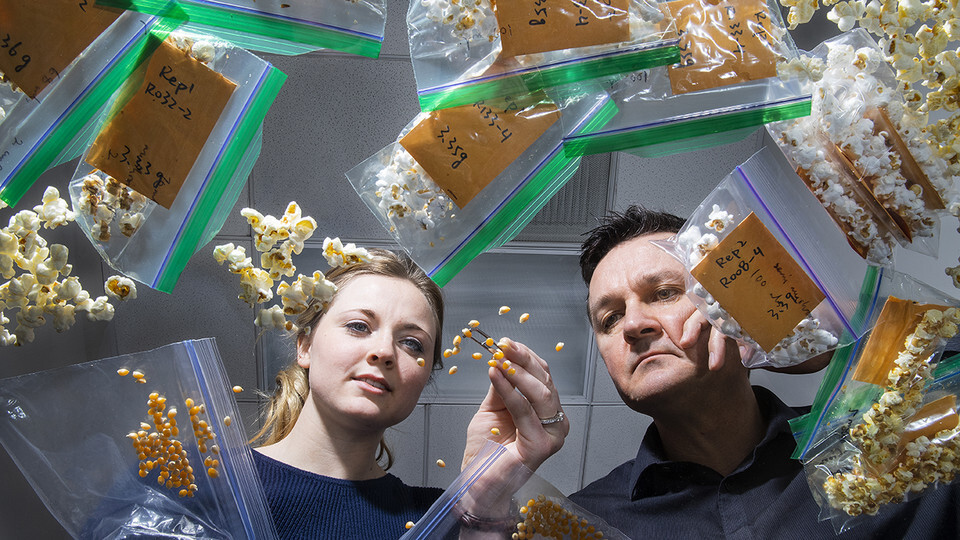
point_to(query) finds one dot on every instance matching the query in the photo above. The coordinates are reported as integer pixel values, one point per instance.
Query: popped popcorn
(338, 254)
(466, 19)
(107, 206)
(39, 287)
(120, 288)
(407, 197)
(881, 473)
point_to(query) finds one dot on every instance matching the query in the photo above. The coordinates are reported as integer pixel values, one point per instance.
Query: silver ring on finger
(553, 419)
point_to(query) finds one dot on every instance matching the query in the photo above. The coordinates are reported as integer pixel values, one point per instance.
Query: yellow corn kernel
(512, 371)
(477, 356)
(137, 375)
(492, 363)
(212, 473)
(559, 346)
(237, 389)
(498, 355)
(495, 431)
(421, 362)
(503, 343)
(409, 525)
(506, 364)
(473, 324)
(456, 341)
(488, 342)
(503, 309)
(188, 402)
(524, 509)
(456, 351)
(466, 332)
(447, 353)
(227, 420)
(524, 318)
(453, 369)
(123, 372)
(440, 463)
(143, 473)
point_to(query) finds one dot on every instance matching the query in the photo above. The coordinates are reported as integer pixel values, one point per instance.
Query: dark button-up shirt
(766, 497)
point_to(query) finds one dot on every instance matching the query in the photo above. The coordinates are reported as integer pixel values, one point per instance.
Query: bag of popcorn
(723, 88)
(888, 429)
(496, 496)
(107, 452)
(352, 26)
(167, 166)
(768, 268)
(52, 116)
(463, 180)
(862, 152)
(464, 52)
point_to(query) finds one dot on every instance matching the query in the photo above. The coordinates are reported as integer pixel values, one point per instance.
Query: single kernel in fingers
(123, 372)
(453, 369)
(559, 346)
(474, 323)
(498, 355)
(504, 309)
(421, 362)
(477, 356)
(492, 363)
(440, 463)
(237, 389)
(506, 364)
(495, 431)
(409, 525)
(524, 318)
(512, 371)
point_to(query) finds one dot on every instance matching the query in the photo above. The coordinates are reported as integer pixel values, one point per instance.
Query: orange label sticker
(722, 43)
(39, 39)
(464, 148)
(754, 278)
(898, 319)
(153, 141)
(535, 26)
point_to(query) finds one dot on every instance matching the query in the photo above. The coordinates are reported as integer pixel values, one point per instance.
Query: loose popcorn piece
(524, 318)
(503, 309)
(881, 473)
(120, 288)
(441, 463)
(546, 518)
(338, 254)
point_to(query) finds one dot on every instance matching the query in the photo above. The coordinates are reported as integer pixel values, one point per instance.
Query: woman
(359, 371)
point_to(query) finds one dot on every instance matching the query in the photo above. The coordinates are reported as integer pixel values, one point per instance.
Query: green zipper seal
(947, 367)
(535, 80)
(240, 25)
(612, 142)
(504, 226)
(224, 170)
(801, 426)
(74, 121)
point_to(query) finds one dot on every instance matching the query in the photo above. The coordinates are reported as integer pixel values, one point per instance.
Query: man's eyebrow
(645, 280)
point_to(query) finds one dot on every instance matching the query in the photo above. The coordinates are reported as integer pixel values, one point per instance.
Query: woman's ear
(303, 351)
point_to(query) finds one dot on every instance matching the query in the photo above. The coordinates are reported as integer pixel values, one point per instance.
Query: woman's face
(362, 355)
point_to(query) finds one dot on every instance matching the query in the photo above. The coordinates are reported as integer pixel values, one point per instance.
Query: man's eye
(608, 321)
(413, 345)
(668, 293)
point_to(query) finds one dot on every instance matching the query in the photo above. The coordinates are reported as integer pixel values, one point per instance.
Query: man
(716, 460)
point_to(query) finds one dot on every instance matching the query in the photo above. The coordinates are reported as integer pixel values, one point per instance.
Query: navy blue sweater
(306, 505)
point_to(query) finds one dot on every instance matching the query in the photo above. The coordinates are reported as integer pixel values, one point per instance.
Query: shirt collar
(653, 474)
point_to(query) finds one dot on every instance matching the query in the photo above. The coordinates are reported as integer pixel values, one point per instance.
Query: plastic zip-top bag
(460, 181)
(57, 124)
(495, 484)
(768, 269)
(724, 86)
(272, 26)
(149, 195)
(861, 141)
(144, 444)
(464, 52)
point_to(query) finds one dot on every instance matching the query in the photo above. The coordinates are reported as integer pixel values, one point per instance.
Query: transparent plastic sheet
(796, 221)
(503, 488)
(442, 238)
(67, 430)
(661, 112)
(911, 428)
(40, 133)
(858, 149)
(831, 406)
(352, 26)
(458, 56)
(155, 244)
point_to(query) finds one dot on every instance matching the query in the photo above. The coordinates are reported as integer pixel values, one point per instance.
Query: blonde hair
(293, 384)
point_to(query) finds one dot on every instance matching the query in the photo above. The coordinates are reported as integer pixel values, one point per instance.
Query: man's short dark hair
(616, 228)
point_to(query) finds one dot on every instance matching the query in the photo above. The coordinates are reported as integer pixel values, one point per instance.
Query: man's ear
(303, 351)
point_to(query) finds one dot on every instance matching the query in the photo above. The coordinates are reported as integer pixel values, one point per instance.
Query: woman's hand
(517, 405)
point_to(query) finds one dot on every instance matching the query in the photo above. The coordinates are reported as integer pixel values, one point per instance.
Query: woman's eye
(413, 345)
(358, 326)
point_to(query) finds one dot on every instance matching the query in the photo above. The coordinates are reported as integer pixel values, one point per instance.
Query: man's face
(638, 306)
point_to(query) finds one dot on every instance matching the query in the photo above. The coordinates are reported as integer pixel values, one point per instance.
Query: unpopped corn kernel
(559, 346)
(503, 309)
(524, 318)
(453, 369)
(441, 463)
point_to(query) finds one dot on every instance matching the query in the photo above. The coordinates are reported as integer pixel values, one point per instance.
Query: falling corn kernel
(227, 420)
(440, 463)
(447, 353)
(503, 309)
(559, 346)
(453, 369)
(123, 372)
(456, 341)
(421, 362)
(477, 356)
(495, 431)
(498, 355)
(409, 525)
(492, 363)
(456, 351)
(524, 318)
(474, 323)
(237, 389)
